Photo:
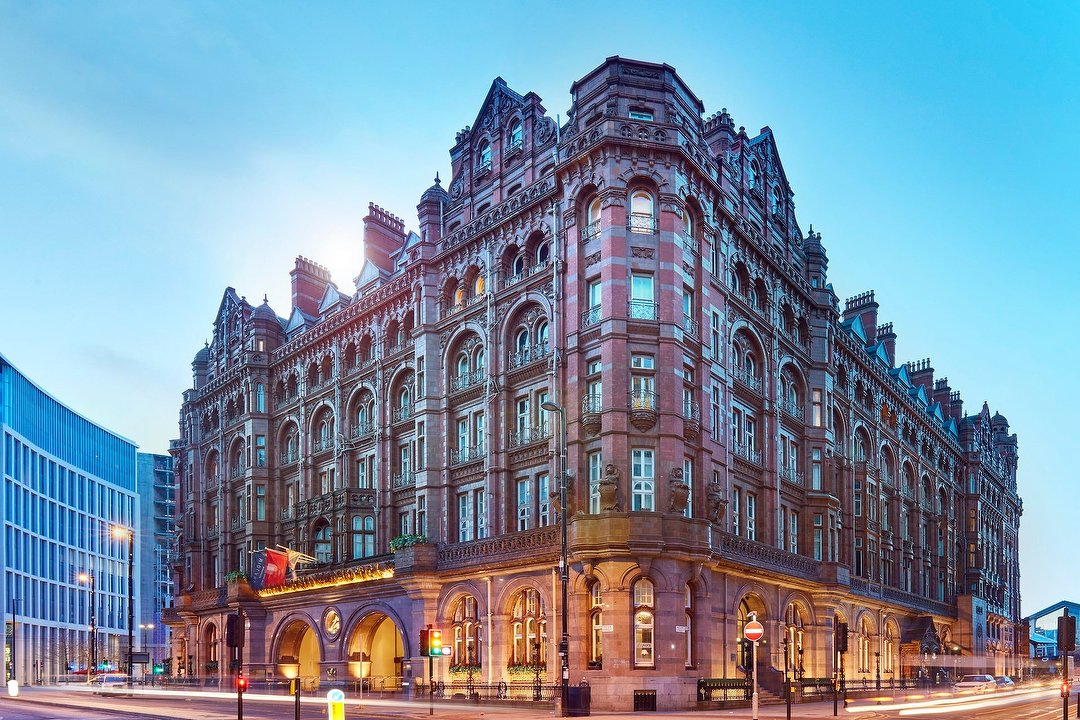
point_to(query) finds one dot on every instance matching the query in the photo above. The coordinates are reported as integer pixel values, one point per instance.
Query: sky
(154, 153)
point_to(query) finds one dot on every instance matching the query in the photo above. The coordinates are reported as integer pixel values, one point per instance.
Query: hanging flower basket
(522, 672)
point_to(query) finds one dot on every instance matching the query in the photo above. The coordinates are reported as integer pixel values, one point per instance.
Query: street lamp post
(120, 532)
(88, 578)
(145, 627)
(564, 569)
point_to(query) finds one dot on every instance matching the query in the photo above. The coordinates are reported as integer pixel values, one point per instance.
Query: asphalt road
(79, 704)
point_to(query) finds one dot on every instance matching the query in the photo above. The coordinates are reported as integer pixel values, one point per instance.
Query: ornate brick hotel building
(735, 442)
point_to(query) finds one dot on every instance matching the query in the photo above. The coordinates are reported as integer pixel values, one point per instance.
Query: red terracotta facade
(737, 442)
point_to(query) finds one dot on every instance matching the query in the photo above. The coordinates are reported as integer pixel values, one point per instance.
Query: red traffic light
(1065, 687)
(241, 684)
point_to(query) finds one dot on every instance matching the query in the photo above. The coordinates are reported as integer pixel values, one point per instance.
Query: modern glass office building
(68, 483)
(156, 486)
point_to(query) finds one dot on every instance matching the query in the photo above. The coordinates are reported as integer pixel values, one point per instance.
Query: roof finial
(265, 301)
(437, 183)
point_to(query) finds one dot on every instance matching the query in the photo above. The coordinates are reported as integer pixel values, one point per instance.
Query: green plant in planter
(404, 541)
(529, 670)
(464, 669)
(234, 576)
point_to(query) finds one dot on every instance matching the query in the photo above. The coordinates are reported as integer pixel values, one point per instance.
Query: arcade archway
(299, 644)
(376, 643)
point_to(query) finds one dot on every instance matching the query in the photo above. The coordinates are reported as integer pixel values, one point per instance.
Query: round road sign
(754, 631)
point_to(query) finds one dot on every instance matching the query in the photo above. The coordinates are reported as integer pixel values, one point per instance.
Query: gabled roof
(298, 321)
(935, 410)
(900, 374)
(855, 327)
(370, 273)
(878, 352)
(229, 300)
(950, 427)
(919, 393)
(767, 139)
(499, 99)
(1074, 609)
(332, 298)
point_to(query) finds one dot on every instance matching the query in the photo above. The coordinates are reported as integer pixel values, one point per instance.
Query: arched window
(644, 608)
(752, 175)
(793, 623)
(642, 219)
(861, 452)
(404, 399)
(466, 649)
(777, 201)
(478, 360)
(528, 625)
(478, 286)
(687, 224)
(514, 136)
(521, 340)
(459, 296)
(591, 229)
(596, 626)
(865, 632)
(517, 268)
(323, 550)
(543, 253)
(462, 364)
(542, 335)
(483, 156)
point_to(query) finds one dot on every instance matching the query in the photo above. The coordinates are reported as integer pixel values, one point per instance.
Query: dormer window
(483, 156)
(777, 199)
(752, 175)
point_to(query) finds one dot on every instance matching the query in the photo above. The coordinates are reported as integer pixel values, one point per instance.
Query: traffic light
(241, 684)
(841, 638)
(435, 647)
(1066, 635)
(1065, 688)
(234, 631)
(424, 634)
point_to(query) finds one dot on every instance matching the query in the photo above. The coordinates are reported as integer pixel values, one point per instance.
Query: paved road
(79, 704)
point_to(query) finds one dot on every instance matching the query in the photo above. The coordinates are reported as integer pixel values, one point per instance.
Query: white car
(975, 683)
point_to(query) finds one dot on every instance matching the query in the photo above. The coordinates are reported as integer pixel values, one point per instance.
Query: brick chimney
(942, 392)
(886, 335)
(309, 281)
(384, 234)
(922, 373)
(956, 406)
(866, 309)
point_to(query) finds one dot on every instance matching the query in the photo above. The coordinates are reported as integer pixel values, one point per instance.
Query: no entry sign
(754, 631)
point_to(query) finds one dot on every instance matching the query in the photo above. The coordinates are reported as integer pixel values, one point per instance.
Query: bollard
(335, 705)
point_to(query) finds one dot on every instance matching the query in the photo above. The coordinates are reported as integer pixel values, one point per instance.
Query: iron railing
(590, 317)
(641, 223)
(641, 310)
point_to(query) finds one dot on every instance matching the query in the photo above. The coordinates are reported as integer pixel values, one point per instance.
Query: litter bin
(644, 701)
(578, 700)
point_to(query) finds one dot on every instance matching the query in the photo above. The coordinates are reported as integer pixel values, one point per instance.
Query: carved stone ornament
(715, 504)
(609, 489)
(641, 252)
(680, 494)
(592, 259)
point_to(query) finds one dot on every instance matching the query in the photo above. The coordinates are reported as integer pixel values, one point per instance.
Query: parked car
(1005, 682)
(976, 683)
(110, 684)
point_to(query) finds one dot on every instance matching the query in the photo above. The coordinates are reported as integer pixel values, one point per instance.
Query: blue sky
(153, 153)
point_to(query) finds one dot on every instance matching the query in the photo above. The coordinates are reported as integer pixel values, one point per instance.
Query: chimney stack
(866, 309)
(309, 281)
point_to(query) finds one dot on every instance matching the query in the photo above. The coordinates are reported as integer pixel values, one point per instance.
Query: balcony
(527, 436)
(462, 455)
(482, 168)
(690, 325)
(360, 365)
(286, 513)
(528, 355)
(402, 414)
(466, 380)
(643, 409)
(213, 532)
(591, 407)
(791, 475)
(237, 470)
(211, 483)
(237, 523)
(792, 408)
(752, 382)
(590, 231)
(590, 317)
(362, 430)
(527, 273)
(286, 398)
(288, 457)
(691, 420)
(321, 444)
(641, 310)
(746, 452)
(405, 478)
(643, 223)
(512, 146)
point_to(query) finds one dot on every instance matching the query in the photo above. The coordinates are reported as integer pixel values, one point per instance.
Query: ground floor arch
(375, 650)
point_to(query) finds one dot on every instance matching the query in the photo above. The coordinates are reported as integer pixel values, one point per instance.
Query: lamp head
(550, 406)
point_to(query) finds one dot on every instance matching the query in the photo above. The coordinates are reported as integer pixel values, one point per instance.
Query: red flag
(277, 562)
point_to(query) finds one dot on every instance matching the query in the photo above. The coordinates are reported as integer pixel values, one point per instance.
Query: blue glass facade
(67, 483)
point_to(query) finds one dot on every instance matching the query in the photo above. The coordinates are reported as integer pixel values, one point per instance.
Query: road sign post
(754, 631)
